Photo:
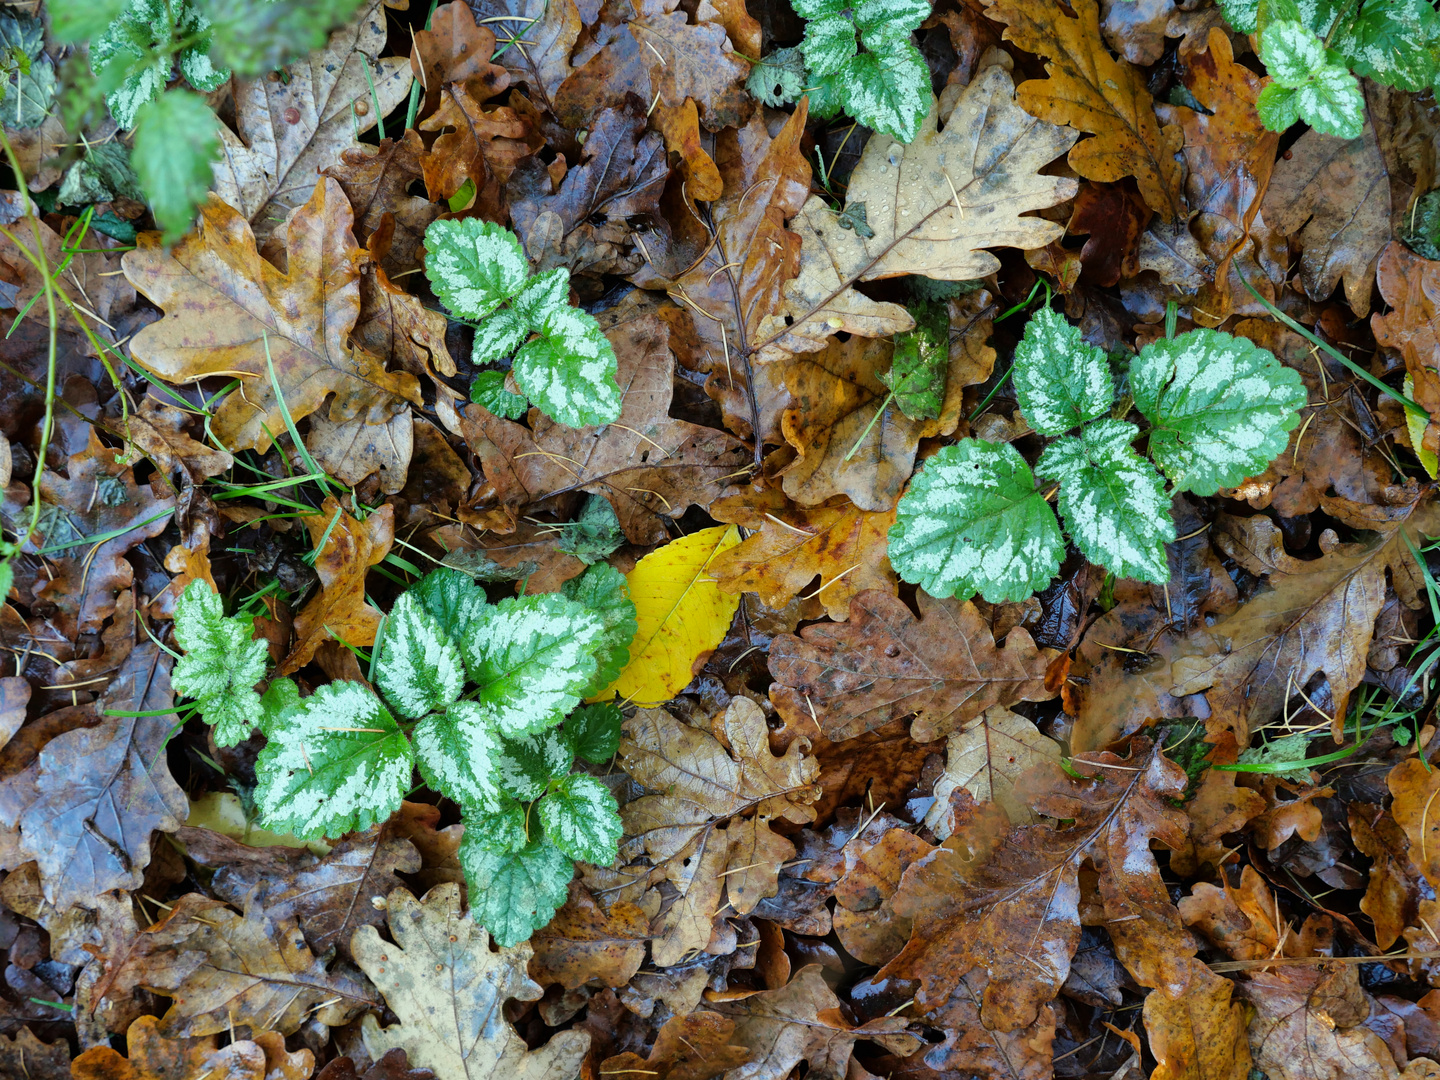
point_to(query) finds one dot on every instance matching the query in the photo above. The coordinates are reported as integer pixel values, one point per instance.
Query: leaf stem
(883, 406)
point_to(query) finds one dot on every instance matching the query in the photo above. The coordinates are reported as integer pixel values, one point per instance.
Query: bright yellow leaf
(681, 613)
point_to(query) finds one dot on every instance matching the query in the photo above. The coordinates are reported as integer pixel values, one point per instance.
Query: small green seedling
(483, 698)
(974, 520)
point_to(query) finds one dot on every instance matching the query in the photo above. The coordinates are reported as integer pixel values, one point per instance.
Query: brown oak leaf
(646, 464)
(585, 941)
(157, 431)
(376, 180)
(228, 310)
(1392, 897)
(1411, 285)
(693, 1047)
(394, 1064)
(1198, 1033)
(789, 546)
(26, 1056)
(480, 145)
(1092, 91)
(985, 757)
(340, 612)
(885, 664)
(153, 1056)
(453, 48)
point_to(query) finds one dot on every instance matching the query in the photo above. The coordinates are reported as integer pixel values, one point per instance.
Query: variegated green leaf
(1221, 407)
(513, 895)
(459, 755)
(1291, 52)
(1060, 381)
(453, 598)
(221, 665)
(921, 362)
(419, 669)
(1395, 42)
(532, 658)
(779, 79)
(525, 765)
(568, 369)
(582, 819)
(1329, 101)
(501, 831)
(133, 57)
(337, 764)
(488, 390)
(886, 85)
(594, 534)
(974, 522)
(474, 266)
(1241, 14)
(1112, 500)
(603, 591)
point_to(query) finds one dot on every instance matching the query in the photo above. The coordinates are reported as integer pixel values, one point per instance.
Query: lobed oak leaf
(688, 1047)
(87, 807)
(157, 431)
(705, 782)
(802, 1021)
(453, 48)
(1091, 91)
(1335, 194)
(479, 144)
(1316, 616)
(1242, 920)
(875, 857)
(1198, 1033)
(1413, 786)
(989, 155)
(1217, 807)
(652, 50)
(228, 310)
(391, 1065)
(288, 129)
(448, 989)
(1392, 897)
(789, 546)
(341, 611)
(26, 1056)
(681, 128)
(224, 969)
(986, 757)
(996, 910)
(1408, 284)
(549, 30)
(646, 464)
(885, 664)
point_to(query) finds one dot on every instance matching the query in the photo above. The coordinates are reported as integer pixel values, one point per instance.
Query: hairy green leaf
(488, 390)
(221, 665)
(1395, 42)
(594, 731)
(568, 369)
(28, 73)
(459, 755)
(603, 590)
(594, 534)
(1060, 381)
(337, 764)
(256, 36)
(532, 658)
(79, 20)
(453, 598)
(973, 521)
(513, 895)
(582, 819)
(133, 57)
(1221, 407)
(474, 266)
(501, 831)
(1291, 52)
(419, 669)
(176, 139)
(1112, 500)
(886, 85)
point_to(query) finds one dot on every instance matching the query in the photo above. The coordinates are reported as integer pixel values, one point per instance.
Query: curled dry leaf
(26, 1056)
(230, 311)
(884, 664)
(549, 29)
(157, 430)
(391, 1065)
(1091, 91)
(875, 857)
(646, 464)
(919, 226)
(341, 611)
(153, 1056)
(290, 128)
(376, 180)
(480, 145)
(1316, 616)
(453, 48)
(1392, 897)
(448, 989)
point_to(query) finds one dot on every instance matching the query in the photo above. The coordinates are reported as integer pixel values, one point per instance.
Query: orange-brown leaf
(693, 1047)
(340, 611)
(585, 941)
(1199, 1033)
(225, 307)
(1092, 91)
(454, 49)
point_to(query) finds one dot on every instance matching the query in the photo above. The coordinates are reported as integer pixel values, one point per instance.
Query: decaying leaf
(230, 311)
(448, 989)
(153, 1056)
(688, 1047)
(884, 664)
(585, 941)
(985, 757)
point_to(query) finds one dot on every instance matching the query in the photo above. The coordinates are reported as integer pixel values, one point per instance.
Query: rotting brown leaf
(884, 664)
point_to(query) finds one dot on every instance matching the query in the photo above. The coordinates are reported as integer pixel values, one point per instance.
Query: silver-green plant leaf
(221, 665)
(337, 764)
(453, 598)
(1220, 407)
(604, 591)
(532, 658)
(488, 389)
(1291, 52)
(526, 765)
(582, 819)
(779, 79)
(419, 669)
(1112, 500)
(921, 363)
(513, 895)
(974, 522)
(474, 266)
(1394, 42)
(459, 755)
(1060, 381)
(502, 831)
(568, 369)
(594, 731)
